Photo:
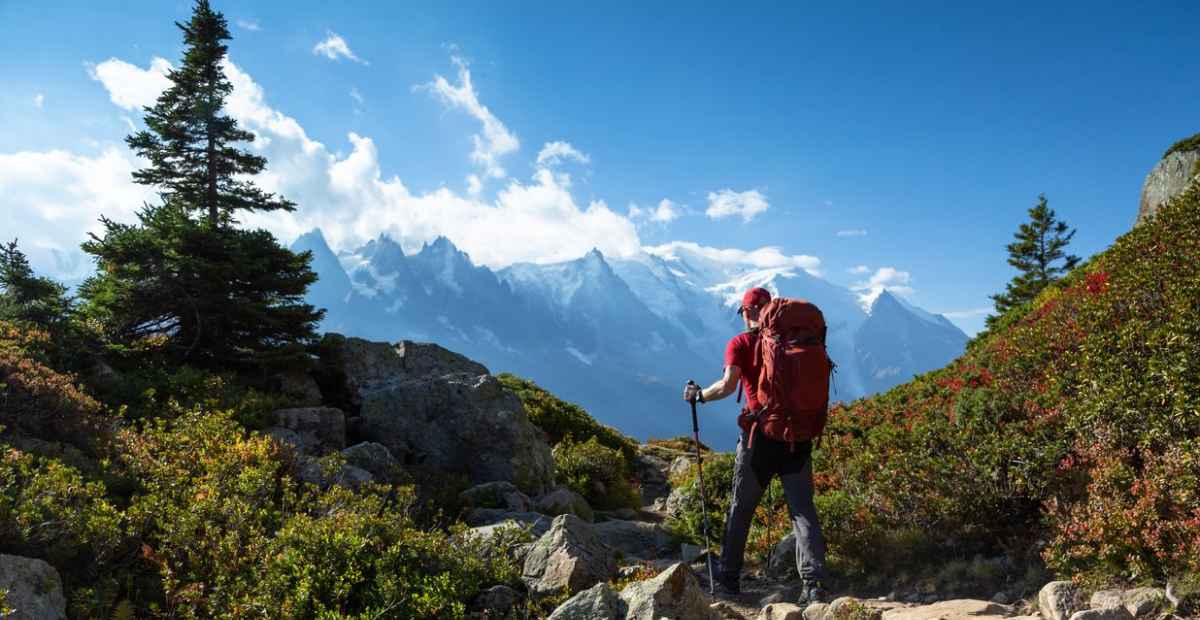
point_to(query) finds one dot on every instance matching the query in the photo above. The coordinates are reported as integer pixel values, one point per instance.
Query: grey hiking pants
(753, 469)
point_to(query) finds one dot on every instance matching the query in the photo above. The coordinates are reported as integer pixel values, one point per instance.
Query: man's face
(750, 316)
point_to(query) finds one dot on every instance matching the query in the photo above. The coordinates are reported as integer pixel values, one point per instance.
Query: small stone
(816, 611)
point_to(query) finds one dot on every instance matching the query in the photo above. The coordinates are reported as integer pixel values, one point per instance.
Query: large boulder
(1057, 600)
(1168, 179)
(352, 366)
(459, 423)
(599, 602)
(34, 588)
(568, 557)
(314, 430)
(673, 594)
(636, 539)
(373, 457)
(651, 473)
(1144, 602)
(499, 494)
(782, 563)
(564, 501)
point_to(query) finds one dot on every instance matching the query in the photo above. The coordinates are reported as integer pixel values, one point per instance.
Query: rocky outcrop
(374, 458)
(299, 387)
(651, 472)
(599, 602)
(435, 408)
(1057, 600)
(311, 430)
(636, 539)
(674, 593)
(564, 501)
(499, 494)
(1168, 179)
(34, 588)
(568, 557)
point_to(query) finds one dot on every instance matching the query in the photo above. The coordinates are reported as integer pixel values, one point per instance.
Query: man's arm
(723, 387)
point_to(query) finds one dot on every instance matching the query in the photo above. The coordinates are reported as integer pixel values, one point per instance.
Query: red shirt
(740, 352)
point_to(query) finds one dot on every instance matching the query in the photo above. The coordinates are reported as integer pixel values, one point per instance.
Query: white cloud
(335, 47)
(884, 279)
(474, 184)
(357, 96)
(768, 257)
(859, 270)
(666, 211)
(249, 24)
(38, 100)
(129, 86)
(727, 202)
(853, 232)
(53, 199)
(496, 140)
(555, 152)
(350, 200)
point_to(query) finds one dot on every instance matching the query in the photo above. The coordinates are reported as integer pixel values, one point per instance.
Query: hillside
(1069, 433)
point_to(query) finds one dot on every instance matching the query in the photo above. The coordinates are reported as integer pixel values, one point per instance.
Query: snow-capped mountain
(619, 337)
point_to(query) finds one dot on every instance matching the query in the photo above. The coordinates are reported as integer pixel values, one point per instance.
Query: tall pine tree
(186, 277)
(1036, 253)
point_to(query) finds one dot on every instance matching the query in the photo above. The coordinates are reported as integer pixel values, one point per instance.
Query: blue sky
(908, 139)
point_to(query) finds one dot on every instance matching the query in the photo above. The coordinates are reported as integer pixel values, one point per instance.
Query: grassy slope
(1070, 431)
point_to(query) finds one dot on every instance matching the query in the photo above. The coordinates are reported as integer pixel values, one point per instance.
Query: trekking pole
(703, 500)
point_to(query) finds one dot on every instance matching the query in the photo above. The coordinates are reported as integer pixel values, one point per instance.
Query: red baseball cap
(756, 296)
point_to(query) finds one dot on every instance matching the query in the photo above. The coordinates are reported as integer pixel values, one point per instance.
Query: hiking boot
(812, 592)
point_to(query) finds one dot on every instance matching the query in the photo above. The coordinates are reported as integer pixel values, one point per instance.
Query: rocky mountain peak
(1170, 176)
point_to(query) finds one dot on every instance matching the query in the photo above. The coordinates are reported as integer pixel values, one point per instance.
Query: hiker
(759, 458)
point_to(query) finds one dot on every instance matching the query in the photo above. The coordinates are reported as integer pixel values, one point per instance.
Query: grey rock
(320, 429)
(537, 524)
(1057, 600)
(782, 563)
(689, 552)
(636, 539)
(651, 472)
(674, 503)
(816, 611)
(1169, 178)
(374, 458)
(316, 472)
(1104, 599)
(1144, 602)
(680, 466)
(564, 501)
(299, 387)
(569, 556)
(34, 588)
(774, 598)
(358, 366)
(600, 602)
(461, 424)
(1108, 613)
(958, 609)
(673, 594)
(781, 611)
(497, 601)
(498, 494)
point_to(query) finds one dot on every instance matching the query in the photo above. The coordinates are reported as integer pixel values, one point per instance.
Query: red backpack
(793, 380)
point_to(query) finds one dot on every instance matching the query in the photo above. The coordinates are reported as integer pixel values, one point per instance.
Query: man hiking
(788, 454)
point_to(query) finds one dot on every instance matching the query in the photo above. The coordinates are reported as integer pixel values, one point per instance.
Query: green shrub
(560, 419)
(596, 472)
(1068, 433)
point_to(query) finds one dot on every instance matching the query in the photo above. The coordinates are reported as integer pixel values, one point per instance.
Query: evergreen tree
(185, 277)
(1036, 253)
(27, 298)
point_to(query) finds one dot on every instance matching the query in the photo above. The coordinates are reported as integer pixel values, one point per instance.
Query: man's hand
(691, 392)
